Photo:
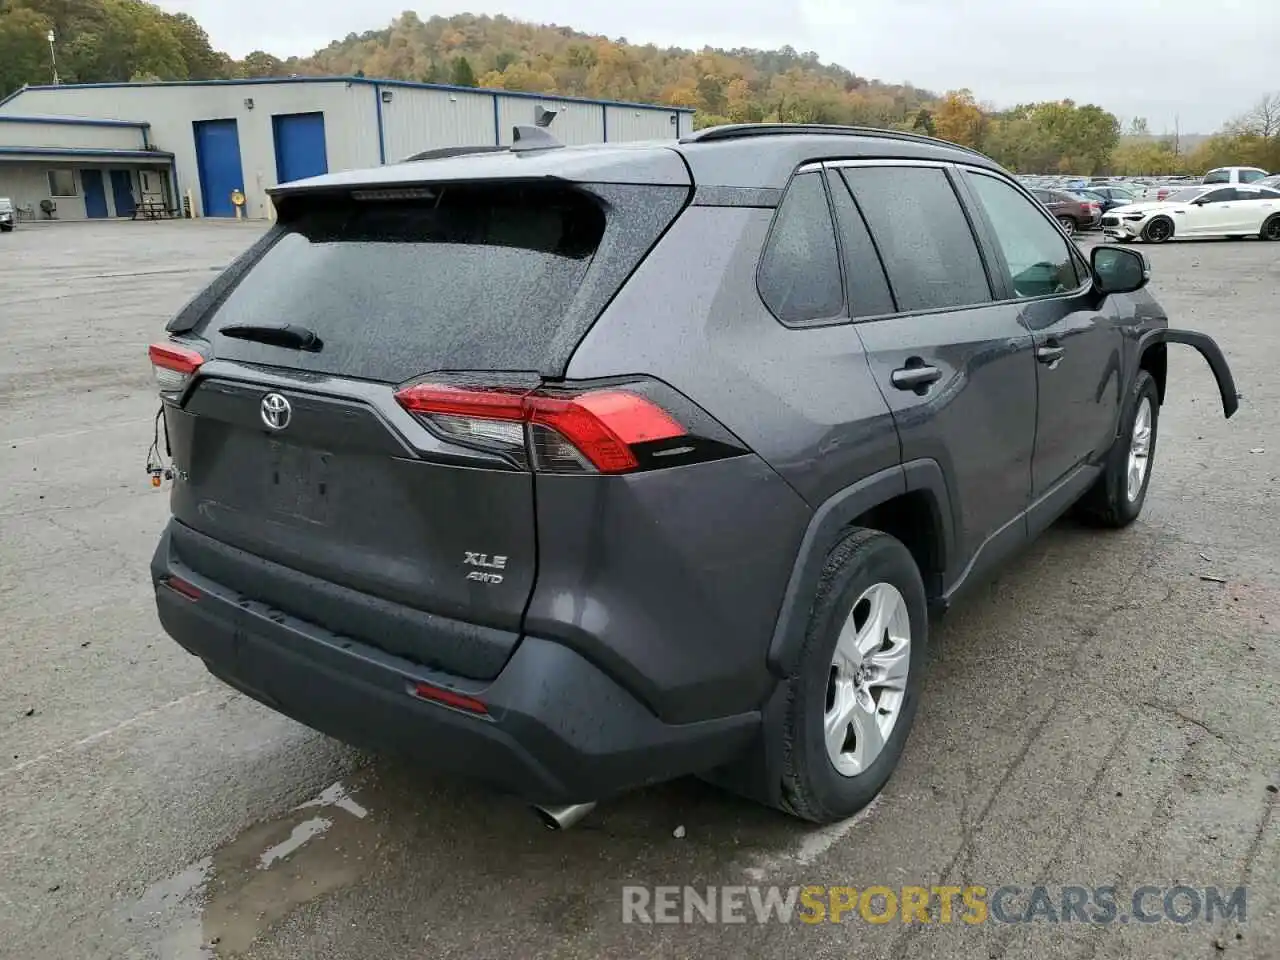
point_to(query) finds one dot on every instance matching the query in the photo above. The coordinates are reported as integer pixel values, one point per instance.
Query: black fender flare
(1212, 354)
(825, 528)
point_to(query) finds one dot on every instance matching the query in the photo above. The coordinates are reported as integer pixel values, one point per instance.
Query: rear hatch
(304, 478)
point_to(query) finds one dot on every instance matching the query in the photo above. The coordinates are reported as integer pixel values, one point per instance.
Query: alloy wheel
(1139, 450)
(868, 679)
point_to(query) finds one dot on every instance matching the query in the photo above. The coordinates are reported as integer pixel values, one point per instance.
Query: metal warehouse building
(213, 138)
(71, 166)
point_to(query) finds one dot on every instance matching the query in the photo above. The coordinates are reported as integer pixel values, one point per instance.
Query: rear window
(466, 279)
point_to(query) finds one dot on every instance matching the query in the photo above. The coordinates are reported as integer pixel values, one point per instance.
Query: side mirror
(1119, 269)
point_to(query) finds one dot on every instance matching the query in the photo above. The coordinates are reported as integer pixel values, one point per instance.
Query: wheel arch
(910, 502)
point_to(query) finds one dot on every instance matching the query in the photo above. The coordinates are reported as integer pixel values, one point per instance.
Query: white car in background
(1233, 175)
(7, 215)
(1237, 211)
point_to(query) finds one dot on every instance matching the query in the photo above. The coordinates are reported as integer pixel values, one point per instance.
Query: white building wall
(575, 123)
(419, 119)
(349, 112)
(26, 184)
(22, 134)
(413, 120)
(637, 123)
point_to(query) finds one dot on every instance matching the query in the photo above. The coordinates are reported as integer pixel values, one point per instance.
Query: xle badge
(488, 564)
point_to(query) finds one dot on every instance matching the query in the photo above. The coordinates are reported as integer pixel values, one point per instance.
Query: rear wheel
(1158, 230)
(1116, 499)
(854, 694)
(1069, 225)
(1271, 229)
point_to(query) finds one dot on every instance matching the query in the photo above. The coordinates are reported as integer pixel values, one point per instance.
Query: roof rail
(440, 153)
(739, 131)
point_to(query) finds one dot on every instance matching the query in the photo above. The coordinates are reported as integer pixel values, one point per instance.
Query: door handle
(1050, 355)
(916, 375)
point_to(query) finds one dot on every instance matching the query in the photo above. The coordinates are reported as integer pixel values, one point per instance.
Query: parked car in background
(1114, 195)
(1272, 182)
(7, 215)
(1107, 197)
(1073, 211)
(1236, 212)
(1233, 175)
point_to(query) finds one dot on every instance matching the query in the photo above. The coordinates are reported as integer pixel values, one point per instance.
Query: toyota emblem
(276, 411)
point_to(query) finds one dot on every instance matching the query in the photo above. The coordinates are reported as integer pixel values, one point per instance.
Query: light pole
(53, 58)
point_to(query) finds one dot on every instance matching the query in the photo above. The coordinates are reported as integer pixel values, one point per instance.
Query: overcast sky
(1202, 62)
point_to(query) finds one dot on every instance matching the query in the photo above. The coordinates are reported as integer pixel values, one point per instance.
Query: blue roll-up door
(95, 195)
(218, 163)
(122, 190)
(300, 150)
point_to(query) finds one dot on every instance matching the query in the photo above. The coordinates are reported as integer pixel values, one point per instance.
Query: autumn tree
(959, 119)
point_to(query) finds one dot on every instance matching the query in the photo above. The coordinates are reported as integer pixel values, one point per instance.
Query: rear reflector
(449, 698)
(180, 586)
(173, 365)
(593, 431)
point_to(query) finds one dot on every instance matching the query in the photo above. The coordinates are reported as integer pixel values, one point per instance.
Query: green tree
(24, 52)
(463, 73)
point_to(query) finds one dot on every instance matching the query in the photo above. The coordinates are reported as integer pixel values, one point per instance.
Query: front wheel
(1158, 230)
(1069, 225)
(1116, 499)
(854, 694)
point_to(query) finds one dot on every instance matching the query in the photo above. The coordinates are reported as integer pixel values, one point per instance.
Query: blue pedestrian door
(218, 163)
(122, 189)
(300, 148)
(95, 195)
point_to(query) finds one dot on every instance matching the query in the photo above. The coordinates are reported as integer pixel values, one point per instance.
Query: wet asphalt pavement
(1098, 715)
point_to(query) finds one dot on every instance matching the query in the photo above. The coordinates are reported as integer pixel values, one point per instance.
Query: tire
(8, 228)
(1112, 501)
(866, 569)
(1271, 229)
(1069, 225)
(1158, 230)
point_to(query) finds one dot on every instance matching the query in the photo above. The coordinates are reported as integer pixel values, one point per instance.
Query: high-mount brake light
(173, 365)
(595, 431)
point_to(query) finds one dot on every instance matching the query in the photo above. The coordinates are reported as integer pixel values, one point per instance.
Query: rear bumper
(558, 729)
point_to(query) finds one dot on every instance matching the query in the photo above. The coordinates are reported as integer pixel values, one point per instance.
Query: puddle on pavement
(217, 906)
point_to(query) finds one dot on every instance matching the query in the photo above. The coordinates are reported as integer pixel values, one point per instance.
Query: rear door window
(799, 278)
(1217, 176)
(866, 286)
(922, 233)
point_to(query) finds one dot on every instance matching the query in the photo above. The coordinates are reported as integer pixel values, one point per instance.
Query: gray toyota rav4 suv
(578, 469)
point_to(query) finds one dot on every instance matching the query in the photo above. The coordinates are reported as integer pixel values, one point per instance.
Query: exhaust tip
(562, 818)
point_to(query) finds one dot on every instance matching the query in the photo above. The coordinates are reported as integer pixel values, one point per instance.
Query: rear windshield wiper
(286, 335)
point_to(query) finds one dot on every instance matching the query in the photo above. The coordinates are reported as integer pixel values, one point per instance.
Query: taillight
(173, 366)
(592, 431)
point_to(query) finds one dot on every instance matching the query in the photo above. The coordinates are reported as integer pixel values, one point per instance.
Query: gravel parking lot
(1100, 715)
